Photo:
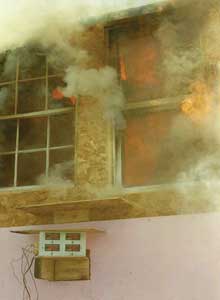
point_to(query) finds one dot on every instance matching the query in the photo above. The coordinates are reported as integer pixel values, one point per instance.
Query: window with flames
(36, 121)
(152, 148)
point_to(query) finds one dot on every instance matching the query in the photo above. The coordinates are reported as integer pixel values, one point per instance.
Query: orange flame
(73, 100)
(58, 95)
(198, 105)
(123, 71)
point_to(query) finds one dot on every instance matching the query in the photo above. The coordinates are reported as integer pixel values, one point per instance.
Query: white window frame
(44, 113)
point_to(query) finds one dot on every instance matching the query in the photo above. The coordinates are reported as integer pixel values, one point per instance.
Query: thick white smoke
(52, 25)
(190, 42)
(100, 83)
(24, 20)
(3, 97)
(57, 27)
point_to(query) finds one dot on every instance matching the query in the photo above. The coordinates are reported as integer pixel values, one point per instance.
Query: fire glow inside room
(109, 116)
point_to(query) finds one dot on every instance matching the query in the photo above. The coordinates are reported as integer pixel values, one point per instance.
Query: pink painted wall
(169, 258)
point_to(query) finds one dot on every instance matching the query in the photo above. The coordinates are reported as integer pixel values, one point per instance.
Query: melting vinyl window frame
(47, 112)
(169, 104)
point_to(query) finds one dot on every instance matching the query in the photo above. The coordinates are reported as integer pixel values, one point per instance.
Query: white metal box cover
(62, 244)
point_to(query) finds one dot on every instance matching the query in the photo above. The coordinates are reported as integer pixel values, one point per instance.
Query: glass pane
(8, 130)
(31, 96)
(56, 98)
(61, 129)
(7, 170)
(147, 143)
(61, 163)
(31, 64)
(56, 67)
(33, 133)
(7, 99)
(30, 167)
(8, 62)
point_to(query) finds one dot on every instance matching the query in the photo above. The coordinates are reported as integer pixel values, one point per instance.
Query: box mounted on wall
(62, 254)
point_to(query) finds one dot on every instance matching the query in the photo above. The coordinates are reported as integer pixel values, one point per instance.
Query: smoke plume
(102, 84)
(3, 97)
(58, 29)
(190, 47)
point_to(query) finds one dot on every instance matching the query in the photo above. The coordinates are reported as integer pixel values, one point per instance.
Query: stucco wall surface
(169, 258)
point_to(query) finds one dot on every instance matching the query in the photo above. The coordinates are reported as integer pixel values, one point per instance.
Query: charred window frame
(158, 103)
(37, 133)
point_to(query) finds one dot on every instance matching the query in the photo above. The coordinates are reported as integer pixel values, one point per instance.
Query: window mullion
(46, 85)
(18, 125)
(118, 175)
(48, 147)
(48, 121)
(16, 153)
(16, 87)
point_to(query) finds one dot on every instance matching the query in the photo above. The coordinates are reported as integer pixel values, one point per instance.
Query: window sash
(43, 113)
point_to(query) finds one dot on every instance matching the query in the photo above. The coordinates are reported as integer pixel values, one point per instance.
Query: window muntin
(36, 131)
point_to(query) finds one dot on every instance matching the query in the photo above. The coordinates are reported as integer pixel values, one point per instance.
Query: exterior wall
(161, 258)
(94, 163)
(93, 159)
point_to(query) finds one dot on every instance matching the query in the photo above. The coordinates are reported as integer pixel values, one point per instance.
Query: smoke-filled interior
(37, 126)
(163, 57)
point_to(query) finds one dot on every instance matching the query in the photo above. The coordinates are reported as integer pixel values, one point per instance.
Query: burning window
(152, 147)
(136, 53)
(36, 121)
